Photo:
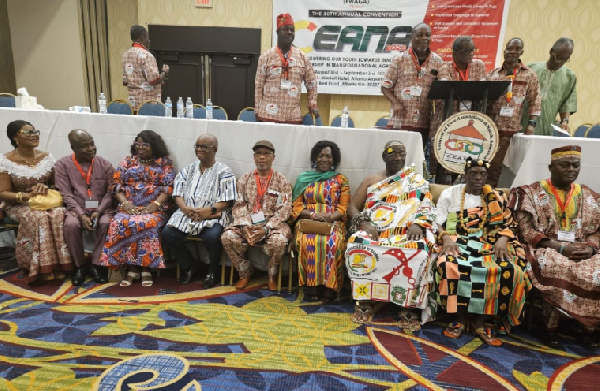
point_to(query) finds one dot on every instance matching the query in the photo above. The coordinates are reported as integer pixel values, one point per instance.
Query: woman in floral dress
(142, 184)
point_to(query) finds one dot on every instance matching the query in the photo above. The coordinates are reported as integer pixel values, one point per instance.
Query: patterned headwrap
(566, 151)
(284, 20)
(476, 163)
(390, 144)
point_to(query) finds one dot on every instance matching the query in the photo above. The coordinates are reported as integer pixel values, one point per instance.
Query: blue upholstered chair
(219, 113)
(152, 108)
(337, 122)
(119, 106)
(382, 122)
(7, 100)
(247, 115)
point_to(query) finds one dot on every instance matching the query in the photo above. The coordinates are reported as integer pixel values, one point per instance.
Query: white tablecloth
(528, 158)
(361, 148)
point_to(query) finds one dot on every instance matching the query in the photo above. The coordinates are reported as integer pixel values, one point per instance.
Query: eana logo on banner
(334, 38)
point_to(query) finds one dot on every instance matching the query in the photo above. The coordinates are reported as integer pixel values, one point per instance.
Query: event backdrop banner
(352, 42)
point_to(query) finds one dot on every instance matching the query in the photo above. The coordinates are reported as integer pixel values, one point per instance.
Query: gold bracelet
(20, 197)
(157, 203)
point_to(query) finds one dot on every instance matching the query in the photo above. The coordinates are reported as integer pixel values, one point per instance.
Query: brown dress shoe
(242, 283)
(272, 283)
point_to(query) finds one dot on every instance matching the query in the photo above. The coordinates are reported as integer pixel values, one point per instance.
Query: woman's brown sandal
(409, 321)
(362, 313)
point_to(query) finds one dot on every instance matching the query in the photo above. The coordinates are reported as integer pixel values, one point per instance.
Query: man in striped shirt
(204, 192)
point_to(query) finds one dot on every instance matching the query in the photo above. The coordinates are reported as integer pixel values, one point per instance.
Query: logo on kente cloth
(361, 261)
(465, 134)
(383, 215)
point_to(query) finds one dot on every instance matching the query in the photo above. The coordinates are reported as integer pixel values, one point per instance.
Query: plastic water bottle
(102, 103)
(180, 108)
(168, 108)
(344, 122)
(209, 109)
(189, 108)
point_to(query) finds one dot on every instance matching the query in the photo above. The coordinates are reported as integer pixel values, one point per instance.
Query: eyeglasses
(29, 132)
(139, 144)
(204, 148)
(561, 60)
(467, 50)
(265, 154)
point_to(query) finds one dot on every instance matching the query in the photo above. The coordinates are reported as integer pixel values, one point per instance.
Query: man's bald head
(209, 137)
(82, 144)
(78, 134)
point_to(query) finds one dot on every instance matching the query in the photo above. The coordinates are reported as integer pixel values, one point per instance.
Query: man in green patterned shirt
(557, 88)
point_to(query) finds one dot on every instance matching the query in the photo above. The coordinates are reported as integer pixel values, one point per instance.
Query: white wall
(47, 51)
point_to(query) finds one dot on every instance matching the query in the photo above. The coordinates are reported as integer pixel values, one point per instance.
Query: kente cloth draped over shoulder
(572, 286)
(393, 268)
(475, 281)
(134, 239)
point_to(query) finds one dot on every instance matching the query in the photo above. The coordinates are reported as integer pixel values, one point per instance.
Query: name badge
(286, 84)
(566, 236)
(258, 217)
(91, 204)
(416, 91)
(506, 111)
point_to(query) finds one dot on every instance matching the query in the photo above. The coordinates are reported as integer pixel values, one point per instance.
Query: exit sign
(204, 3)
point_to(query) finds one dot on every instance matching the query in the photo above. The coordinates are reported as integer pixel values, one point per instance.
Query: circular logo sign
(464, 134)
(361, 261)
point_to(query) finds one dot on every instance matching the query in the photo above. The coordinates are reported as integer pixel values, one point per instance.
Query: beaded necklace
(483, 220)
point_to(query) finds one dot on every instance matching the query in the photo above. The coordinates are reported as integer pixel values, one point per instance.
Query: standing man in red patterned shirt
(407, 82)
(507, 110)
(279, 76)
(140, 71)
(462, 68)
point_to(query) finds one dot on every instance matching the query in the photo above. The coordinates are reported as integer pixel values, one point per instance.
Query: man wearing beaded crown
(481, 267)
(389, 255)
(279, 76)
(558, 223)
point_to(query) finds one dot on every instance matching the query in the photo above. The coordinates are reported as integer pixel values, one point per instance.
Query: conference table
(114, 134)
(528, 158)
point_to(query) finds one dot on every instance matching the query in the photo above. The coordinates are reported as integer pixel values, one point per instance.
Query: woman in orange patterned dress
(142, 184)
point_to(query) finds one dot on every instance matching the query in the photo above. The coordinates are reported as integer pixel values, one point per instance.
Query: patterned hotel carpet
(56, 337)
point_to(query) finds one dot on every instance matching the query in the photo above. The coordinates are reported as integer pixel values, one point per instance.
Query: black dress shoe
(188, 276)
(78, 277)
(550, 339)
(98, 275)
(209, 281)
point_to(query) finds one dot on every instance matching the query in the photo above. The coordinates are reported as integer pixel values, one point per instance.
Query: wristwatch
(213, 209)
(565, 120)
(532, 123)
